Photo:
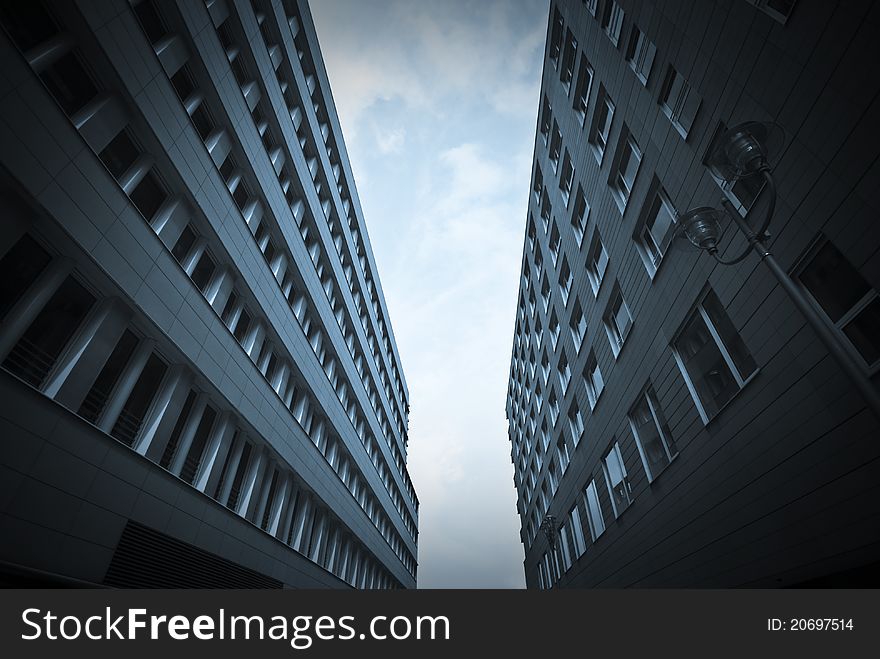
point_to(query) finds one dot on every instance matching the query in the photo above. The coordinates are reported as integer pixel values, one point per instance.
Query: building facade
(200, 386)
(674, 421)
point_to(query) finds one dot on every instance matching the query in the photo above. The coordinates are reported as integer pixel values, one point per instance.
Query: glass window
(612, 21)
(36, 352)
(242, 326)
(194, 456)
(594, 511)
(565, 546)
(593, 379)
(619, 488)
(566, 178)
(150, 21)
(565, 281)
(562, 453)
(69, 83)
(597, 262)
(653, 438)
(567, 71)
(546, 122)
(624, 175)
(229, 308)
(148, 196)
(553, 405)
(555, 147)
(553, 329)
(19, 268)
(201, 275)
(640, 54)
(202, 121)
(564, 372)
(579, 216)
(712, 357)
(184, 244)
(579, 545)
(601, 128)
(618, 321)
(183, 83)
(174, 438)
(95, 400)
(241, 194)
(576, 423)
(545, 292)
(131, 418)
(119, 154)
(554, 243)
(582, 89)
(849, 302)
(657, 231)
(28, 23)
(556, 38)
(578, 325)
(679, 101)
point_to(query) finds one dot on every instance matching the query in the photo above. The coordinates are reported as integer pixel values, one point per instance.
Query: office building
(199, 383)
(674, 421)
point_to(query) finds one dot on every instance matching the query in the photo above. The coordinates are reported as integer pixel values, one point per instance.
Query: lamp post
(742, 152)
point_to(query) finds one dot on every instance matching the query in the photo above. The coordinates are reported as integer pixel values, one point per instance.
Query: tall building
(675, 421)
(199, 383)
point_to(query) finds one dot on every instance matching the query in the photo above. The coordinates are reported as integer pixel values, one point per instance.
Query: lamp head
(701, 227)
(745, 149)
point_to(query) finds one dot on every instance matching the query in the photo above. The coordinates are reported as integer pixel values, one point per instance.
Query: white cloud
(389, 141)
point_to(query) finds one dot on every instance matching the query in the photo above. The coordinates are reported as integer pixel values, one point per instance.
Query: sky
(438, 103)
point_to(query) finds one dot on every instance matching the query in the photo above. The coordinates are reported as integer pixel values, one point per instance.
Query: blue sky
(438, 103)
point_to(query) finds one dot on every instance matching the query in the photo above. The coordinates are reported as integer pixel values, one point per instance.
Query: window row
(83, 351)
(271, 38)
(250, 87)
(220, 145)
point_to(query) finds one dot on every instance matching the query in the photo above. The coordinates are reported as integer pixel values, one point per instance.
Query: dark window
(28, 23)
(224, 472)
(264, 523)
(846, 297)
(269, 254)
(227, 168)
(272, 367)
(225, 36)
(150, 21)
(268, 142)
(96, 399)
(69, 83)
(226, 316)
(183, 83)
(239, 70)
(130, 419)
(36, 352)
(194, 456)
(148, 195)
(241, 327)
(119, 154)
(202, 121)
(241, 195)
(201, 275)
(174, 437)
(235, 490)
(19, 268)
(184, 244)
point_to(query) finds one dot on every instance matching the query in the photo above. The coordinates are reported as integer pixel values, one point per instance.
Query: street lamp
(743, 151)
